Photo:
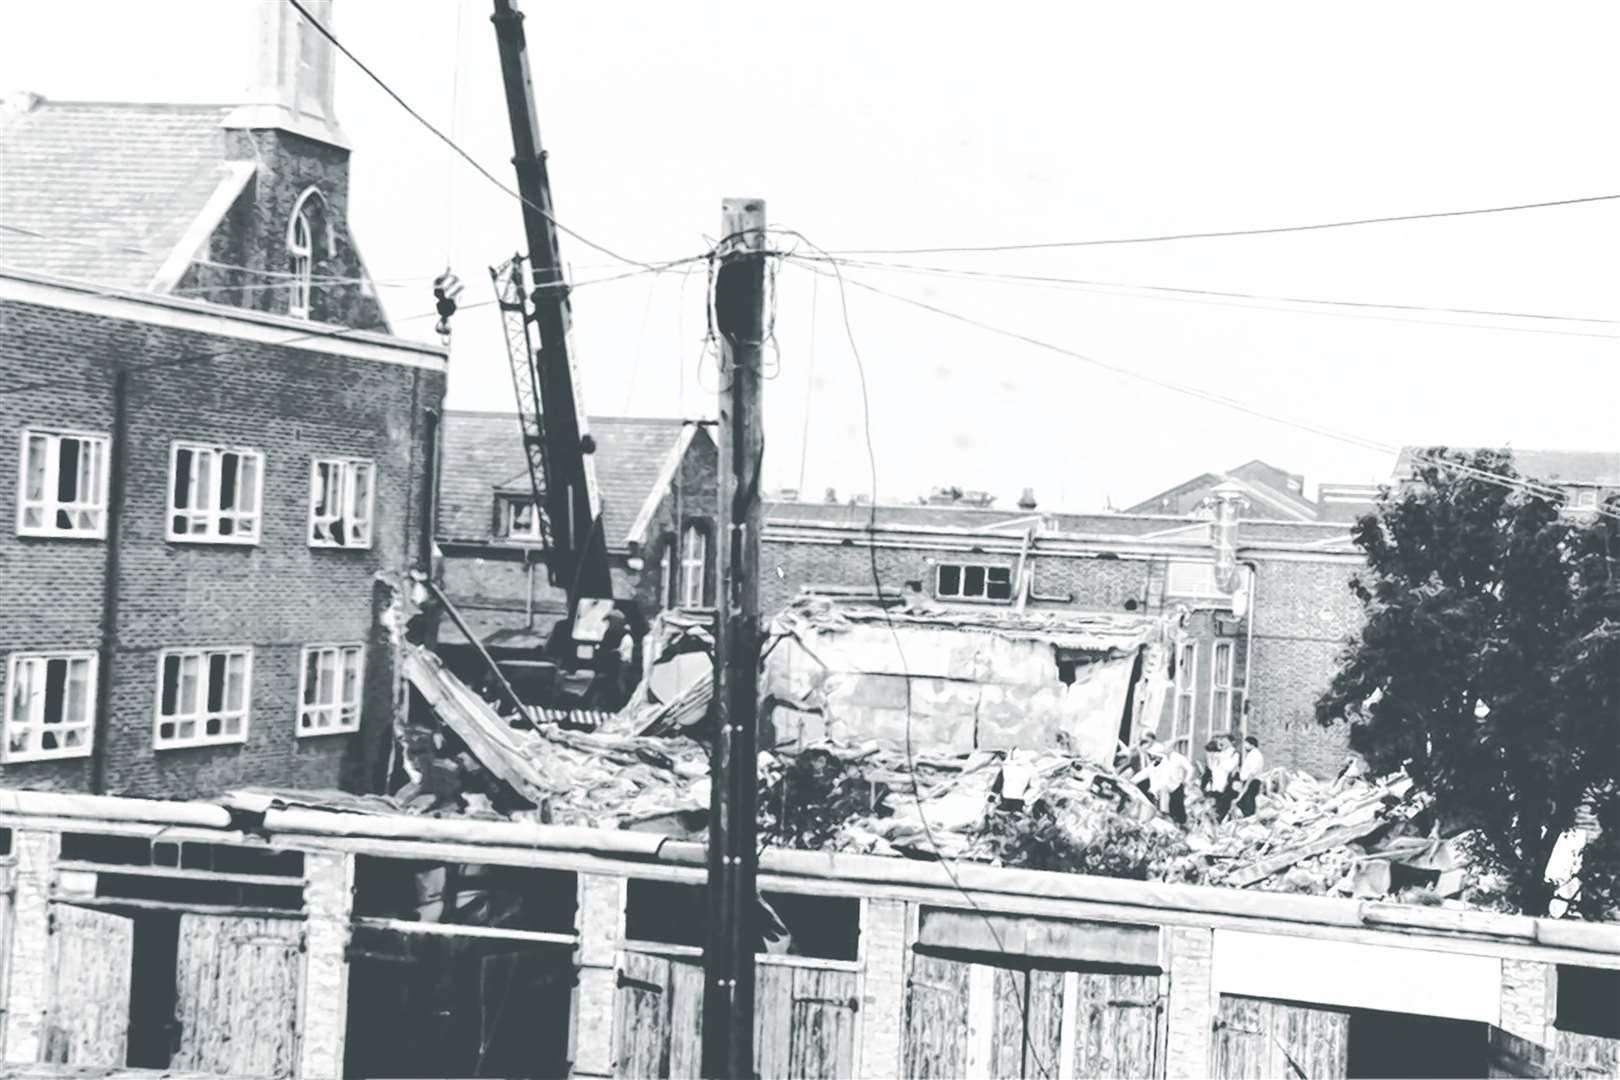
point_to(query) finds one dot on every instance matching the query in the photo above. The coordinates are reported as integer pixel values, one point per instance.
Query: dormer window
(305, 231)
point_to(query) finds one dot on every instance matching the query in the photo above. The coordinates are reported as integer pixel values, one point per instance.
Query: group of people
(1229, 776)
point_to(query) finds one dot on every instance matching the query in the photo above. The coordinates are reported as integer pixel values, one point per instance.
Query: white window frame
(37, 662)
(1182, 721)
(247, 522)
(361, 525)
(1203, 585)
(668, 557)
(301, 255)
(202, 715)
(99, 446)
(694, 564)
(509, 505)
(1220, 686)
(961, 593)
(336, 715)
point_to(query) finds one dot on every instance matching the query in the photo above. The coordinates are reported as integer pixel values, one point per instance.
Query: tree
(1489, 664)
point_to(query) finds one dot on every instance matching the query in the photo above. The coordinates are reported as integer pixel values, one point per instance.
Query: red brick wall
(276, 596)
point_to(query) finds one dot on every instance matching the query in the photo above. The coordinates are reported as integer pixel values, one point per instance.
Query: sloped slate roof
(483, 454)
(104, 191)
(956, 517)
(1595, 467)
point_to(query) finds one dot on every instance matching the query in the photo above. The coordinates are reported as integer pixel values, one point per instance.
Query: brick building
(1271, 643)
(657, 478)
(219, 443)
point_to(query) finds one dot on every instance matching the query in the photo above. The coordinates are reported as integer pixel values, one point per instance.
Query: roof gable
(103, 191)
(483, 454)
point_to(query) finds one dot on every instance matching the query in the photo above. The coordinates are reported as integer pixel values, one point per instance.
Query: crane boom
(556, 435)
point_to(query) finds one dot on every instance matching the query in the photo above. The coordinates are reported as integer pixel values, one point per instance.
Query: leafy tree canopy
(1489, 665)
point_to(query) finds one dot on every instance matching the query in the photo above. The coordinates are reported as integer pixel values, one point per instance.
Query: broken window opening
(64, 490)
(1588, 1001)
(329, 694)
(50, 705)
(517, 898)
(435, 1005)
(202, 697)
(214, 494)
(1181, 730)
(792, 924)
(340, 502)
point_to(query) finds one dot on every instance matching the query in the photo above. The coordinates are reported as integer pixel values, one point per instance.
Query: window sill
(981, 601)
(215, 541)
(194, 744)
(328, 545)
(61, 534)
(317, 733)
(24, 758)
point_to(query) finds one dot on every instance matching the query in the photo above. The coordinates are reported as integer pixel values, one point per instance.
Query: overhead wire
(906, 677)
(1529, 485)
(1221, 233)
(382, 84)
(1362, 309)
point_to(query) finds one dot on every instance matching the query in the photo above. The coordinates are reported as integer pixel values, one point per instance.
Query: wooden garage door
(804, 1019)
(1261, 1039)
(237, 990)
(87, 1007)
(1117, 1025)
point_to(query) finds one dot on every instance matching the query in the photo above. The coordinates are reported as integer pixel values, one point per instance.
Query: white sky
(910, 124)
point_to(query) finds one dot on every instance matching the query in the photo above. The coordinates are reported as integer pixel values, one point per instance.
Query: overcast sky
(898, 125)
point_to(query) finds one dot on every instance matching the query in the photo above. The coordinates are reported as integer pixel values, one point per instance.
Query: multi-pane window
(50, 705)
(518, 518)
(666, 574)
(340, 497)
(215, 493)
(1220, 689)
(1186, 670)
(971, 581)
(694, 560)
(202, 696)
(329, 689)
(64, 484)
(1192, 579)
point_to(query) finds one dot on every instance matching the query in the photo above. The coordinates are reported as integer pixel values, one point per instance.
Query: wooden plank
(87, 1006)
(823, 1024)
(1257, 1038)
(1584, 1056)
(1069, 940)
(1043, 1024)
(238, 988)
(936, 1019)
(773, 1022)
(1116, 1025)
(1007, 1024)
(685, 1019)
(642, 1017)
(981, 1020)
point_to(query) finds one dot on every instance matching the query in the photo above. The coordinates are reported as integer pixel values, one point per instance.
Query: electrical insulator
(446, 287)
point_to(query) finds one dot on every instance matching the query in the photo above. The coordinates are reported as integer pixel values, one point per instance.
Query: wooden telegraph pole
(728, 959)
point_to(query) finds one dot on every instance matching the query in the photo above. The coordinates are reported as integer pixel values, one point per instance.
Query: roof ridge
(48, 102)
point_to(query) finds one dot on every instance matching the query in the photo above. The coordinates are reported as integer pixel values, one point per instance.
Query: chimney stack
(1026, 501)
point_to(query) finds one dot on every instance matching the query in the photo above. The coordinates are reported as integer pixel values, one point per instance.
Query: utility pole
(728, 958)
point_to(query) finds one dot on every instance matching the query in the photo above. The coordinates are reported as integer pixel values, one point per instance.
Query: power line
(877, 587)
(451, 143)
(1531, 486)
(1181, 293)
(1219, 233)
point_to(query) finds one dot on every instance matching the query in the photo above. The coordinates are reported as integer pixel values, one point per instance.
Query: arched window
(694, 560)
(307, 231)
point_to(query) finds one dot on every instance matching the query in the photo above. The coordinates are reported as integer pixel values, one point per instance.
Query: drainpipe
(1248, 655)
(116, 454)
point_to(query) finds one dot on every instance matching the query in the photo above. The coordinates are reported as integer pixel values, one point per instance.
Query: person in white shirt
(1254, 763)
(1169, 782)
(1221, 766)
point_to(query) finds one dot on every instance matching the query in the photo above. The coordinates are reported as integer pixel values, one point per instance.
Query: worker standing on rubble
(1220, 773)
(1170, 776)
(1149, 750)
(1254, 763)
